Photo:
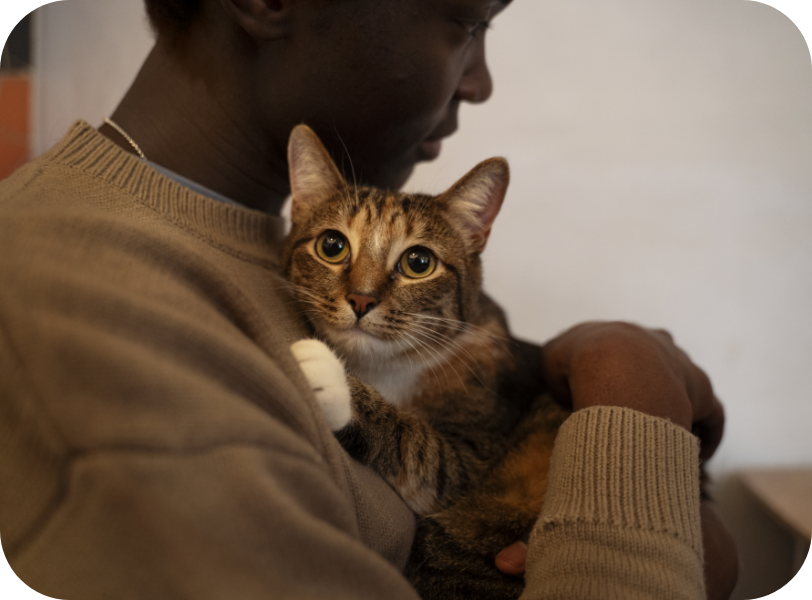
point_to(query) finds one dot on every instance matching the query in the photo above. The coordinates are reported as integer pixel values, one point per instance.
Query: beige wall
(87, 53)
(662, 173)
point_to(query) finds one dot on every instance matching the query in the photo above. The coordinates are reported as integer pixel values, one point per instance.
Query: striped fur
(445, 405)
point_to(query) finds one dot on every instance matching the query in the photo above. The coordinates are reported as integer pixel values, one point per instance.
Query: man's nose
(476, 84)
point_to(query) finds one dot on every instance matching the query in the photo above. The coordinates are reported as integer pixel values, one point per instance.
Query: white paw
(325, 373)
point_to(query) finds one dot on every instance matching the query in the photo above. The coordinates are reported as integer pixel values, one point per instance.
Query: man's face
(384, 79)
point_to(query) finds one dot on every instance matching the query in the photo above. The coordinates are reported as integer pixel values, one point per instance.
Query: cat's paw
(325, 373)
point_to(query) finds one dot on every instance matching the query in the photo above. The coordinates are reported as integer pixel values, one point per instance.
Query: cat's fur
(438, 398)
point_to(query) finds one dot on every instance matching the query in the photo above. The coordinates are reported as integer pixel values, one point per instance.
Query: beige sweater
(157, 439)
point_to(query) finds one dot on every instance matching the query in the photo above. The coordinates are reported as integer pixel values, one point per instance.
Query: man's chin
(400, 180)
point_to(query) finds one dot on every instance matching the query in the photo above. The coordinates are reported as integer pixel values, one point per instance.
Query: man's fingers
(512, 559)
(710, 429)
(555, 369)
(708, 414)
(620, 364)
(700, 391)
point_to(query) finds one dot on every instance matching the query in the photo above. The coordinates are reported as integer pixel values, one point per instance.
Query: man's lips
(431, 146)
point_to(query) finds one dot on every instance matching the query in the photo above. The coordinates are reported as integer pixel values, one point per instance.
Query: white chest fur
(402, 377)
(398, 381)
(399, 376)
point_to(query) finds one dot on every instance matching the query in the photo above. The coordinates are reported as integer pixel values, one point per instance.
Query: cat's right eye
(332, 246)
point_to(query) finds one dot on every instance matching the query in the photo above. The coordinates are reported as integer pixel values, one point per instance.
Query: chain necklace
(123, 133)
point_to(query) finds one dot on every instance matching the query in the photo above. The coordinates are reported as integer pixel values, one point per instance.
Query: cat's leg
(327, 378)
(429, 463)
(427, 468)
(375, 419)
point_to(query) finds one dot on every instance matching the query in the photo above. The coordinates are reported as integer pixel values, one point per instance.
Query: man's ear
(260, 19)
(474, 201)
(314, 176)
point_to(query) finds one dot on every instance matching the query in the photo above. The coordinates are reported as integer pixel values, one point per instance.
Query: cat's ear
(475, 200)
(314, 176)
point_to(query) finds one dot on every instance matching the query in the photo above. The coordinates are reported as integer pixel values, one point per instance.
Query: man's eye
(479, 27)
(474, 28)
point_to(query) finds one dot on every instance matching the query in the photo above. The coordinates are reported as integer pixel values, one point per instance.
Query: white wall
(662, 173)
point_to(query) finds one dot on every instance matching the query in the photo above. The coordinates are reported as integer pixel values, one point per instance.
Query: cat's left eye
(332, 246)
(418, 262)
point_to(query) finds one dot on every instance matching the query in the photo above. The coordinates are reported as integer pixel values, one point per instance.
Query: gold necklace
(123, 133)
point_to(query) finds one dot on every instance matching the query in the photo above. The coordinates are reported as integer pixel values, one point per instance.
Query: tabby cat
(430, 390)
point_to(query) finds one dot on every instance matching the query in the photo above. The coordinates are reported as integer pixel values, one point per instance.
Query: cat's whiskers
(314, 310)
(352, 167)
(462, 326)
(415, 350)
(303, 294)
(298, 302)
(428, 366)
(435, 335)
(410, 339)
(308, 301)
(453, 325)
(485, 337)
(405, 353)
(304, 297)
(307, 311)
(379, 358)
(401, 351)
(430, 349)
(441, 360)
(446, 342)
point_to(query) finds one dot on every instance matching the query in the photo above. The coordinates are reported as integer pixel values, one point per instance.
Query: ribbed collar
(249, 233)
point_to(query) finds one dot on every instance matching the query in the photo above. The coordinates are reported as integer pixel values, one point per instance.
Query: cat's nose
(361, 304)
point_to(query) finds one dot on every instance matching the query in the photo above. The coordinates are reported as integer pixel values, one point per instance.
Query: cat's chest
(443, 372)
(398, 383)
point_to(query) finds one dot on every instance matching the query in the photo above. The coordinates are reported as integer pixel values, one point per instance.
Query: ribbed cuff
(621, 516)
(626, 469)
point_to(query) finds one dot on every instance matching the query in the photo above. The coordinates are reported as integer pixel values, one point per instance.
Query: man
(158, 437)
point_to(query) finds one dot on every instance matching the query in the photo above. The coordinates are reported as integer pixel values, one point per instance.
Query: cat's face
(382, 274)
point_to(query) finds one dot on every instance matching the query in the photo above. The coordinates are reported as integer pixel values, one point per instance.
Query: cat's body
(439, 399)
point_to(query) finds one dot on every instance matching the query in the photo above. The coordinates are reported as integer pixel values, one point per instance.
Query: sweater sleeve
(156, 437)
(621, 517)
(249, 512)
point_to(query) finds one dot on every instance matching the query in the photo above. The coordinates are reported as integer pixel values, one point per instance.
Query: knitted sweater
(157, 439)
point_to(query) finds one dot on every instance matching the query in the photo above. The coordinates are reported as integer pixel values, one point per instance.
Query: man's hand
(511, 560)
(618, 364)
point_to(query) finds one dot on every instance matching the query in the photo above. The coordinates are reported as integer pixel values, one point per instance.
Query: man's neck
(202, 130)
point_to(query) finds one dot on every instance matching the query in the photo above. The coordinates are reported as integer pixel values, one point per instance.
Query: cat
(430, 389)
